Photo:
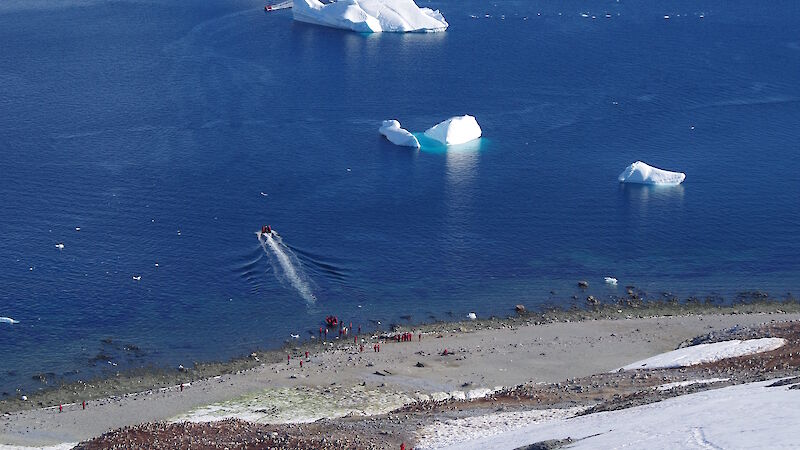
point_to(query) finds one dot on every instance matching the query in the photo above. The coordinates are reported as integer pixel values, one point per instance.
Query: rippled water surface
(169, 132)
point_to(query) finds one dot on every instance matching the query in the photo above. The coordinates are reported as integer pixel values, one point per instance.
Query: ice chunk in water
(455, 130)
(642, 173)
(398, 135)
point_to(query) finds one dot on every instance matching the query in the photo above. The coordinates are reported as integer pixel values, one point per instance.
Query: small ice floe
(666, 16)
(642, 173)
(137, 278)
(77, 228)
(295, 336)
(610, 280)
(179, 232)
(264, 194)
(398, 135)
(585, 15)
(472, 316)
(156, 264)
(8, 320)
(60, 246)
(24, 398)
(455, 130)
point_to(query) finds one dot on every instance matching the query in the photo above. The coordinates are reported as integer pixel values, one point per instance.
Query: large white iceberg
(398, 135)
(642, 173)
(455, 130)
(370, 16)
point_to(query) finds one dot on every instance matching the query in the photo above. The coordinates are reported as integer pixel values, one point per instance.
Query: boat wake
(286, 265)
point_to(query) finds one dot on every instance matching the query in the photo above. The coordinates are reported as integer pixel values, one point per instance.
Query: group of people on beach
(406, 337)
(333, 322)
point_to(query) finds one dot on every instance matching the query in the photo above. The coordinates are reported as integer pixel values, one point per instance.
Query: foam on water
(286, 265)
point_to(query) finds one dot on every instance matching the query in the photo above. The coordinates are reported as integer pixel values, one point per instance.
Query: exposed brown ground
(605, 391)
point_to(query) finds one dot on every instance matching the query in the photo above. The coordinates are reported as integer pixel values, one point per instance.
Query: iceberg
(455, 130)
(8, 320)
(398, 135)
(642, 173)
(370, 16)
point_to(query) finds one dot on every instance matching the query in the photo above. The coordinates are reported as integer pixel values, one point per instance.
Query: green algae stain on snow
(300, 404)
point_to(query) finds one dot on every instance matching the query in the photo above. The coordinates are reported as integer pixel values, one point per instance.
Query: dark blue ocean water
(170, 131)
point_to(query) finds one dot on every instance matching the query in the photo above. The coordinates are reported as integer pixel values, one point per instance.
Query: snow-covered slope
(370, 16)
(706, 353)
(398, 135)
(455, 130)
(746, 416)
(642, 173)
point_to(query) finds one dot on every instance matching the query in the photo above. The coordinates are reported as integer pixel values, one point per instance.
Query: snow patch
(668, 386)
(64, 446)
(455, 130)
(707, 353)
(642, 173)
(743, 416)
(454, 432)
(370, 16)
(398, 135)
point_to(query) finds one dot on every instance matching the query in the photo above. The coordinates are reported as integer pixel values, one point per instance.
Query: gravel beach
(382, 399)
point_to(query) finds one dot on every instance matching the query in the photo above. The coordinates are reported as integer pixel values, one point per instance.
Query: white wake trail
(286, 263)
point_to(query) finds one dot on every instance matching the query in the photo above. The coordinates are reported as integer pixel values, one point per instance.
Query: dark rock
(583, 284)
(552, 444)
(793, 380)
(419, 364)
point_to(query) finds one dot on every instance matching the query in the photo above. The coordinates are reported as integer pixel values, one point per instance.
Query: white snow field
(747, 416)
(370, 16)
(706, 353)
(455, 130)
(642, 173)
(398, 135)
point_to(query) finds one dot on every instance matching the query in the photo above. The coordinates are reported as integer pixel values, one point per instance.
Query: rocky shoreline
(595, 393)
(632, 306)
